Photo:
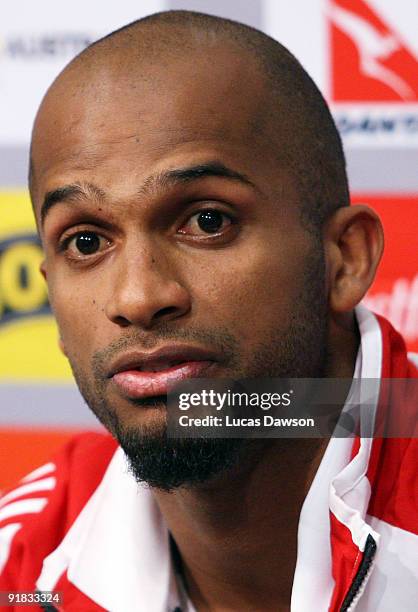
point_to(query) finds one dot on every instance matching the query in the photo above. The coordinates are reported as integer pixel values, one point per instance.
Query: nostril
(121, 321)
(165, 311)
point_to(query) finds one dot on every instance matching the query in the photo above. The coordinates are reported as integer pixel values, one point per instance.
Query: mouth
(141, 375)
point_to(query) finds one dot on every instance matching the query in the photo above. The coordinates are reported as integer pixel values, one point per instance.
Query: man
(189, 187)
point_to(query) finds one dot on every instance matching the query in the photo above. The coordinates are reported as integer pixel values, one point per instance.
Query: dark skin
(95, 127)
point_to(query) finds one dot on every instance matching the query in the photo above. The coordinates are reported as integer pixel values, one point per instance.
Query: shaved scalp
(306, 140)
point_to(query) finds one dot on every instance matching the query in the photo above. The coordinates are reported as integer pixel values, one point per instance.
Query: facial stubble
(168, 463)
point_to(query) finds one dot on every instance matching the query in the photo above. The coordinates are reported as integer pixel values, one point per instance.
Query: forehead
(109, 121)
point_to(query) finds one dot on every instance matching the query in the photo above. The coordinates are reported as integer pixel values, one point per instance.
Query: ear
(42, 269)
(353, 242)
(62, 347)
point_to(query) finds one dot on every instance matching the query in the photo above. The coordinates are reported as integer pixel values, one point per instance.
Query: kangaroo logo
(369, 59)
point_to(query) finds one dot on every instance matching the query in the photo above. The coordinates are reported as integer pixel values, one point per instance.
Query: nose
(145, 292)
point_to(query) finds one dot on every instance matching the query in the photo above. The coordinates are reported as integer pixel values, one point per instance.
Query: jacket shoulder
(38, 512)
(392, 469)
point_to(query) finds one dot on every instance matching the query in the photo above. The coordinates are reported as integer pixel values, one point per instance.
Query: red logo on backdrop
(370, 61)
(394, 293)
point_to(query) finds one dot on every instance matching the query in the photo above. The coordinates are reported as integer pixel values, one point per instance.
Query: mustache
(219, 339)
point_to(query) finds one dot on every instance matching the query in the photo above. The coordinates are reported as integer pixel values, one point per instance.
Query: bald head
(246, 74)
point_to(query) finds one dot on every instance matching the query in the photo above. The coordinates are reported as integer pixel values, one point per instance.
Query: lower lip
(136, 384)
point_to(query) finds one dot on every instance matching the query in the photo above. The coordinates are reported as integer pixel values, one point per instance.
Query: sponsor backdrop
(363, 54)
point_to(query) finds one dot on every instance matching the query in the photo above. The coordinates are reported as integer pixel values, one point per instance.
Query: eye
(208, 221)
(83, 243)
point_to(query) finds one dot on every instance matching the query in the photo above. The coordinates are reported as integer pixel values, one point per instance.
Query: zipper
(48, 607)
(361, 576)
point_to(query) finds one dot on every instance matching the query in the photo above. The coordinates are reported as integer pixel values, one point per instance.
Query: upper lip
(168, 355)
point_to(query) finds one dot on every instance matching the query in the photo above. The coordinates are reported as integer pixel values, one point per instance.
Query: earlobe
(62, 347)
(42, 269)
(354, 245)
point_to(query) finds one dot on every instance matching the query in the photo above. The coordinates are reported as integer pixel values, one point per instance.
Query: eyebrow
(194, 173)
(69, 192)
(162, 179)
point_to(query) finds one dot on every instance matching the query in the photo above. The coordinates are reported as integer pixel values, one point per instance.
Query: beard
(167, 463)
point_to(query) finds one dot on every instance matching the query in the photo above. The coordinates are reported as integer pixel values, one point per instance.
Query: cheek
(77, 315)
(250, 291)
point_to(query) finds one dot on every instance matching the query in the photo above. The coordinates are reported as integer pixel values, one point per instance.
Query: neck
(237, 535)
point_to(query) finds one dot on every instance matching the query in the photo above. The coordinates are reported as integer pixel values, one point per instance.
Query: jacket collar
(352, 538)
(117, 551)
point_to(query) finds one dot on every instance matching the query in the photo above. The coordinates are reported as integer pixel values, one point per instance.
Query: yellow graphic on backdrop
(28, 334)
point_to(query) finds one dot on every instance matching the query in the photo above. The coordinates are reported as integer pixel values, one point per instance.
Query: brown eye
(210, 221)
(87, 243)
(83, 244)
